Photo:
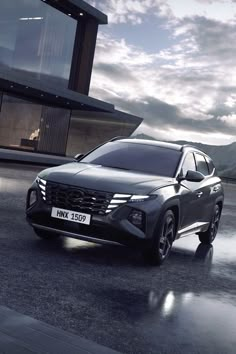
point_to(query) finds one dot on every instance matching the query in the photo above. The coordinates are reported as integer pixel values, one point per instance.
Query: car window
(211, 166)
(201, 164)
(189, 164)
(144, 158)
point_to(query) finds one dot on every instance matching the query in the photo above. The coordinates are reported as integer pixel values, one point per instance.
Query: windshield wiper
(118, 168)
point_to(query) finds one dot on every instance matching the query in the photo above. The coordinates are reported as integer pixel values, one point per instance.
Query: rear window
(145, 158)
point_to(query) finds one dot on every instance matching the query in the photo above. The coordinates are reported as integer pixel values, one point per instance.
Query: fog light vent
(137, 218)
(32, 198)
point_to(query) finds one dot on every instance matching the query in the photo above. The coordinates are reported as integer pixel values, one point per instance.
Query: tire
(164, 236)
(208, 236)
(45, 235)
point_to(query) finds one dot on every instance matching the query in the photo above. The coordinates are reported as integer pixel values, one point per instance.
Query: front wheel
(208, 236)
(164, 236)
(45, 235)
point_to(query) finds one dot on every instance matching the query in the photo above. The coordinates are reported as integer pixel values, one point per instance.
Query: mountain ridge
(224, 156)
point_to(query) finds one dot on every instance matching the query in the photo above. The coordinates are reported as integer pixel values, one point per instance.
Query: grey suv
(134, 192)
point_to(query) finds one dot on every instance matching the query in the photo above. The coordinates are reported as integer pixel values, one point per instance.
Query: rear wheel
(46, 235)
(208, 236)
(164, 236)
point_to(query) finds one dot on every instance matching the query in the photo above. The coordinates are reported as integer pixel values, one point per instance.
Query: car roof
(151, 142)
(167, 145)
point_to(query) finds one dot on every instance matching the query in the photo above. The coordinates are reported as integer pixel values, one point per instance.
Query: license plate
(70, 215)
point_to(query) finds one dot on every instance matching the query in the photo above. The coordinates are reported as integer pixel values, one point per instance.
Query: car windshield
(144, 158)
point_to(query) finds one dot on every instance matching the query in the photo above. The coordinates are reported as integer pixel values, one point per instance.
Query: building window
(36, 39)
(19, 123)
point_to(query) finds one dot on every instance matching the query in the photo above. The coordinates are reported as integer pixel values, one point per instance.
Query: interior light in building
(81, 14)
(69, 14)
(30, 18)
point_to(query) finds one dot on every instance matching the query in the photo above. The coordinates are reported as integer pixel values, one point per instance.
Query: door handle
(199, 194)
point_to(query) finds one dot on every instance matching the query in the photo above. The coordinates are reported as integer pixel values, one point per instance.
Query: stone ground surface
(108, 294)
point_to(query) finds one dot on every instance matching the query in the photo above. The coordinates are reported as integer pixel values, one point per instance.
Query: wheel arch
(174, 206)
(220, 202)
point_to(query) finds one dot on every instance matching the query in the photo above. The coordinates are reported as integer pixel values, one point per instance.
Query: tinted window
(189, 164)
(201, 164)
(136, 157)
(210, 164)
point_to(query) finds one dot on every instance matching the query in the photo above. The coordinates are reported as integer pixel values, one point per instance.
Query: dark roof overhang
(76, 7)
(53, 96)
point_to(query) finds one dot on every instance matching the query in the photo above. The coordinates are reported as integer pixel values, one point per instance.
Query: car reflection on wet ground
(109, 295)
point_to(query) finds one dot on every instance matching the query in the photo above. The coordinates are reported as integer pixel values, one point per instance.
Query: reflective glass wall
(29, 126)
(37, 39)
(87, 130)
(19, 123)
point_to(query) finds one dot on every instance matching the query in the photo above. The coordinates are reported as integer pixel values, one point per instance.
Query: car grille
(77, 199)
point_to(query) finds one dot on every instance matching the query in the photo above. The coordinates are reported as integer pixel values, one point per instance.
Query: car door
(213, 189)
(203, 192)
(189, 200)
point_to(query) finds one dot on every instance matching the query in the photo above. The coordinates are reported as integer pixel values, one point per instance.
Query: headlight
(120, 199)
(42, 186)
(139, 198)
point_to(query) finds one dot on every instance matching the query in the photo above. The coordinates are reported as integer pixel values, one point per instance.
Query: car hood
(105, 178)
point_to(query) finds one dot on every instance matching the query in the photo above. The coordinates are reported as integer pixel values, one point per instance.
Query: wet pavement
(108, 294)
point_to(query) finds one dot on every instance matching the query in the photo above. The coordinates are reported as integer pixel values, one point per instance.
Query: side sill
(193, 229)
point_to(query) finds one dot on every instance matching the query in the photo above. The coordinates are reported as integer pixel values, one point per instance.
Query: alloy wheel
(167, 236)
(215, 223)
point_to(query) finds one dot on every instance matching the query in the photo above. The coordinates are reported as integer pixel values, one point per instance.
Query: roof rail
(188, 145)
(118, 138)
(192, 146)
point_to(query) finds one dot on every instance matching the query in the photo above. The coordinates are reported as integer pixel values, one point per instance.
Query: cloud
(135, 11)
(130, 11)
(220, 10)
(188, 87)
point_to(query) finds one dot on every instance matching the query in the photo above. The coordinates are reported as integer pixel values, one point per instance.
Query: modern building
(46, 58)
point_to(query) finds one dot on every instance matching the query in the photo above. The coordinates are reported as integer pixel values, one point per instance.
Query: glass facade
(29, 126)
(89, 130)
(36, 39)
(19, 123)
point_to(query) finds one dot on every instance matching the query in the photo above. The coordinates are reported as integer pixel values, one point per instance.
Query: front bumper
(114, 227)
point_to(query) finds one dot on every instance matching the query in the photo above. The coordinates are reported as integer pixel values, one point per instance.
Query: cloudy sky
(172, 62)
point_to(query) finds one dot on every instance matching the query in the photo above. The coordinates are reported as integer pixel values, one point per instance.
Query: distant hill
(224, 156)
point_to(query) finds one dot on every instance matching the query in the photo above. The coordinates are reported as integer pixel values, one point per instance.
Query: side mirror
(78, 157)
(191, 176)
